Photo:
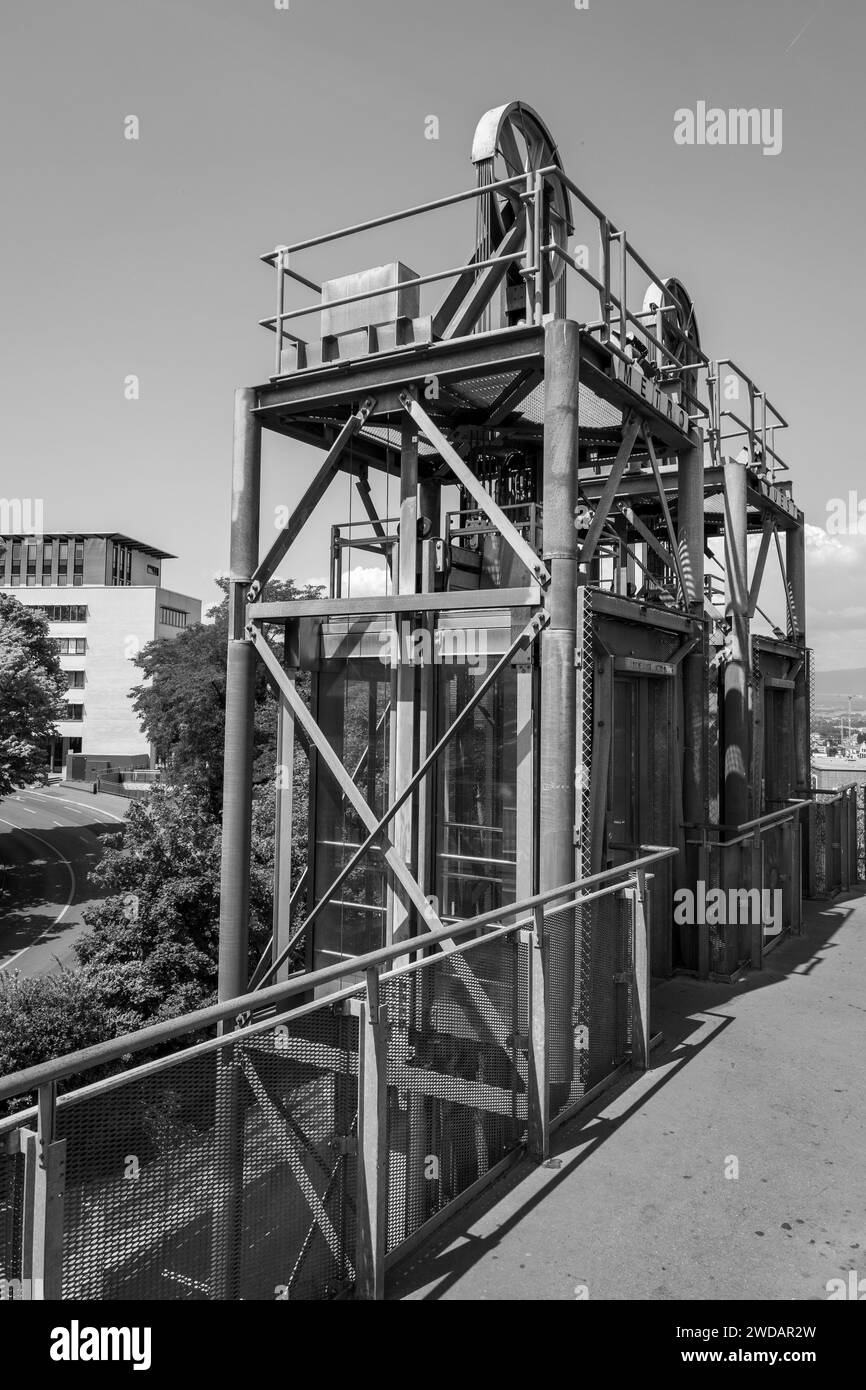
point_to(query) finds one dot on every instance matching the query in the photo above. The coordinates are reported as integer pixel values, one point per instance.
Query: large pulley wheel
(678, 332)
(512, 140)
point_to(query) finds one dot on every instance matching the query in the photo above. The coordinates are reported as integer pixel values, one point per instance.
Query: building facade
(104, 600)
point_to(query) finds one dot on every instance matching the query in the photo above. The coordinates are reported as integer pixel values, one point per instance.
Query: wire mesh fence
(11, 1219)
(287, 1156)
(457, 1077)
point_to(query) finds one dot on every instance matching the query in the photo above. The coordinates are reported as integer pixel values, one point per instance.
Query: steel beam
(666, 511)
(630, 429)
(375, 605)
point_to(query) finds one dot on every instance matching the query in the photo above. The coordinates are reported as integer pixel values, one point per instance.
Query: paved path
(768, 1071)
(49, 841)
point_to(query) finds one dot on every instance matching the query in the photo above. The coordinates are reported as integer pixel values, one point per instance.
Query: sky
(259, 126)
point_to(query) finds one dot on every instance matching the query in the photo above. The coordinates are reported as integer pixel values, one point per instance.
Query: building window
(121, 565)
(76, 679)
(71, 646)
(30, 554)
(173, 617)
(64, 612)
(78, 564)
(153, 569)
(47, 557)
(16, 562)
(75, 713)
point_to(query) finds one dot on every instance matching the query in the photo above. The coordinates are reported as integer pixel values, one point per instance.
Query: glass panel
(476, 851)
(353, 707)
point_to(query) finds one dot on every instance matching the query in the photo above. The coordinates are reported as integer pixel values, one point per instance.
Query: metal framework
(553, 717)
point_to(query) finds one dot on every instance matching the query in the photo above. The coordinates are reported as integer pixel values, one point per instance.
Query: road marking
(63, 860)
(7, 963)
(67, 801)
(28, 810)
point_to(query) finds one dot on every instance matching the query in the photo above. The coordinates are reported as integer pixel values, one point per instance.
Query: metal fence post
(640, 994)
(538, 1121)
(757, 937)
(797, 876)
(704, 928)
(372, 1143)
(44, 1187)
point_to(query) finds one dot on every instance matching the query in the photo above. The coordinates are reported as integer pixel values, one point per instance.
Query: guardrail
(615, 312)
(761, 856)
(292, 1152)
(837, 841)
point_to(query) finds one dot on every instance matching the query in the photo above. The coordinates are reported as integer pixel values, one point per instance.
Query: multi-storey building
(104, 601)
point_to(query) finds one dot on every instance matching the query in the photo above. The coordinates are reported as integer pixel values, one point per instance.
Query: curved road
(50, 839)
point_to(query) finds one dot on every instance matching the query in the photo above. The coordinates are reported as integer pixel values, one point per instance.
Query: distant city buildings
(103, 597)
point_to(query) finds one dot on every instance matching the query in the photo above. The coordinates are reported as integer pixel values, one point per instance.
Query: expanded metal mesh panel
(11, 1215)
(223, 1176)
(457, 1077)
(583, 917)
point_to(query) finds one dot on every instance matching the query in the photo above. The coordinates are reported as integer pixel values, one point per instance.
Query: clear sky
(259, 126)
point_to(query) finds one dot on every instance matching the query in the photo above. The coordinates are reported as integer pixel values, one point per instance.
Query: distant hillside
(841, 683)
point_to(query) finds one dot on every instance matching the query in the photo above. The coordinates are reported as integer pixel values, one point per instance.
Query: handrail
(101, 1054)
(748, 829)
(478, 192)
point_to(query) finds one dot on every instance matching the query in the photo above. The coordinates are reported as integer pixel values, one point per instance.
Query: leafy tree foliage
(31, 689)
(46, 1016)
(181, 702)
(152, 950)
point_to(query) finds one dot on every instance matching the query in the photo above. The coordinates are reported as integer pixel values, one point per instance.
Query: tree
(181, 703)
(31, 690)
(152, 949)
(44, 1017)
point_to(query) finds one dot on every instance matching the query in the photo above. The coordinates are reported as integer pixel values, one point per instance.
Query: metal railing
(762, 856)
(836, 838)
(287, 1152)
(629, 331)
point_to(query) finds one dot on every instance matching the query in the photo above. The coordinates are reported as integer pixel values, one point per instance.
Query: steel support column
(738, 665)
(240, 704)
(690, 538)
(236, 841)
(795, 564)
(558, 751)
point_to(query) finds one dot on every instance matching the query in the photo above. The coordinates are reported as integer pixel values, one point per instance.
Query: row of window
(74, 713)
(71, 646)
(75, 679)
(64, 612)
(24, 564)
(173, 617)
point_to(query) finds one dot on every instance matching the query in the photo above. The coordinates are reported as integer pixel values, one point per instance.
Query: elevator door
(641, 791)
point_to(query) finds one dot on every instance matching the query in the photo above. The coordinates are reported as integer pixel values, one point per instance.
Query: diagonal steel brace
(476, 490)
(310, 500)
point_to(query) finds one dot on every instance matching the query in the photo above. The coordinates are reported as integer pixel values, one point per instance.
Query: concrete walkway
(767, 1075)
